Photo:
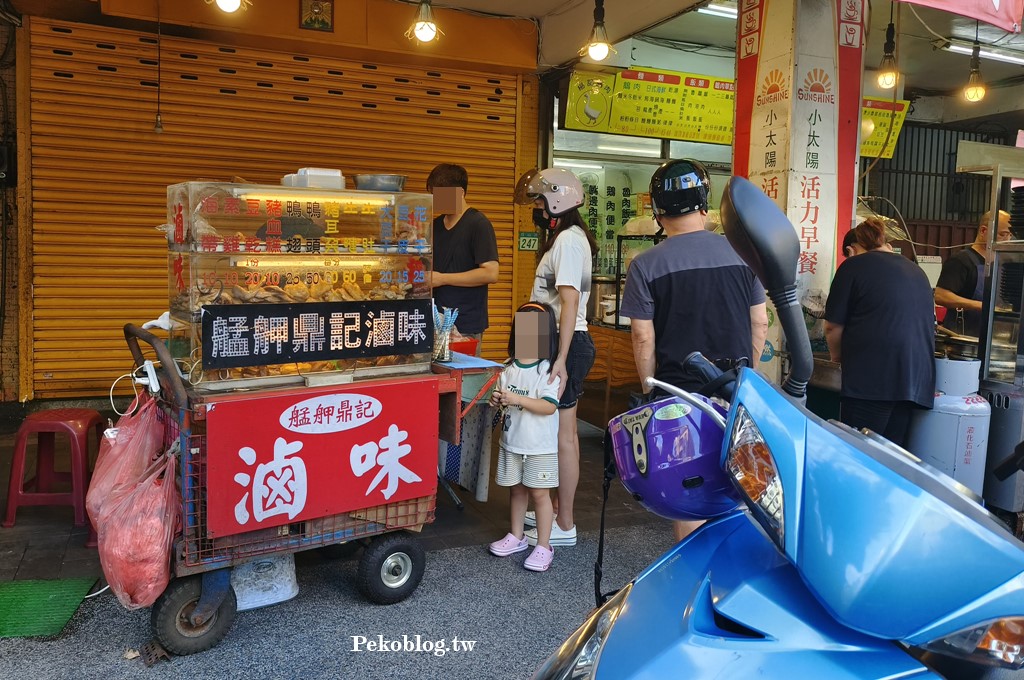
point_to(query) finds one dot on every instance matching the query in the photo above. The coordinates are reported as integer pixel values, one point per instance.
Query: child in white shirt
(528, 451)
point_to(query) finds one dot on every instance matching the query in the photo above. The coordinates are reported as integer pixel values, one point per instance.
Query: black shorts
(577, 365)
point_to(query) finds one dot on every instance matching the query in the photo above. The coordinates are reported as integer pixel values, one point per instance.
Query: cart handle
(132, 335)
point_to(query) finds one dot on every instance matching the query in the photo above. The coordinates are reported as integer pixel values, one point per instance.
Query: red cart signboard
(274, 459)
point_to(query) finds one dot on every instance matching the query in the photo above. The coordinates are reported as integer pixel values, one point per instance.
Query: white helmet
(561, 190)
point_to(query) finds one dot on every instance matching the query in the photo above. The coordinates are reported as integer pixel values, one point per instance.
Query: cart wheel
(391, 568)
(170, 618)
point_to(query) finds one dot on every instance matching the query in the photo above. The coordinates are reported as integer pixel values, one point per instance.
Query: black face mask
(541, 221)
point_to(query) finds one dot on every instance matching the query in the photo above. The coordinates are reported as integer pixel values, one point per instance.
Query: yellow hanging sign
(653, 103)
(885, 114)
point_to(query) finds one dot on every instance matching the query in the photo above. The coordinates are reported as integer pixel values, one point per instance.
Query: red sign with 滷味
(283, 457)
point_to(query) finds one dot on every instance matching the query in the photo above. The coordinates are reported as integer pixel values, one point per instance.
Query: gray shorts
(535, 471)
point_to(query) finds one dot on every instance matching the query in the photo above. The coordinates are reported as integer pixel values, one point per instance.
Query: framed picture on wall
(316, 15)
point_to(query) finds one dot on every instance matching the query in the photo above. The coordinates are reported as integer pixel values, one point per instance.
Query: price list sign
(236, 336)
(653, 103)
(885, 114)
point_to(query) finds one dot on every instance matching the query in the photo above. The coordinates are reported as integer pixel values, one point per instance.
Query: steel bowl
(380, 182)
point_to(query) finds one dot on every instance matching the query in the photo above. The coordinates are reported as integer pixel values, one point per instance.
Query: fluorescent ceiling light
(719, 11)
(986, 53)
(630, 149)
(574, 164)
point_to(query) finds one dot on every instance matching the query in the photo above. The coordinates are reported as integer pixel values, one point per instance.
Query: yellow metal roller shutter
(99, 171)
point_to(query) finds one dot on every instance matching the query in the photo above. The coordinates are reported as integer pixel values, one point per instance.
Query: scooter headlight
(1000, 643)
(577, 658)
(753, 471)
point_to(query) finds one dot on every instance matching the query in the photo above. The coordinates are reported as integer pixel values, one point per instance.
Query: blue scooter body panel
(890, 547)
(667, 627)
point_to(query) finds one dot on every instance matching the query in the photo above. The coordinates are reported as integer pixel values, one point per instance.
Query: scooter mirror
(763, 236)
(760, 233)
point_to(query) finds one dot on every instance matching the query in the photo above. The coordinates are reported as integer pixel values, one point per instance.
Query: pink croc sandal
(540, 559)
(508, 546)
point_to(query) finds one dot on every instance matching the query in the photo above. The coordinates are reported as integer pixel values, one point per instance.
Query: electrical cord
(99, 592)
(135, 391)
(892, 111)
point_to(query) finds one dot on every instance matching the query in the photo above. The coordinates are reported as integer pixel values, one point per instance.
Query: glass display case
(627, 248)
(277, 284)
(1002, 356)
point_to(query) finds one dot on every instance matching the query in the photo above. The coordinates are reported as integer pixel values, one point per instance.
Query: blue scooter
(829, 552)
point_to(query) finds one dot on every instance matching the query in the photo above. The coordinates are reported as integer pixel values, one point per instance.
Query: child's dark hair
(538, 308)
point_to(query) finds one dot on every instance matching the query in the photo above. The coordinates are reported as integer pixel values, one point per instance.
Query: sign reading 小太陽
(265, 334)
(314, 453)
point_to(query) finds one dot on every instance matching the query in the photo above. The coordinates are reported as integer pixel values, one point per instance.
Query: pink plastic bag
(136, 534)
(139, 440)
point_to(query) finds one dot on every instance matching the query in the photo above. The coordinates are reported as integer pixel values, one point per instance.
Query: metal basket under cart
(198, 607)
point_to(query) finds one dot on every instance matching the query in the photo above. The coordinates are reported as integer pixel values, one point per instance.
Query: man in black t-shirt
(961, 283)
(465, 251)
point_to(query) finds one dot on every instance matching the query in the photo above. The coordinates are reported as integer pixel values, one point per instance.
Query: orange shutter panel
(99, 171)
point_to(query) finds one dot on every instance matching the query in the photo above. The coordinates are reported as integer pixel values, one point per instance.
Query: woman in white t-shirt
(528, 451)
(563, 281)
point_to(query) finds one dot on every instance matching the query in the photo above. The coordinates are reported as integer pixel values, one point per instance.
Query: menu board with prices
(653, 103)
(885, 114)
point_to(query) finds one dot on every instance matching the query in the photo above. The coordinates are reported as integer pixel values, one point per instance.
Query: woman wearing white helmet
(563, 281)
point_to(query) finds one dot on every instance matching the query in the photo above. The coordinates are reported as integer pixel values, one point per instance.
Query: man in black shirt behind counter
(465, 251)
(961, 283)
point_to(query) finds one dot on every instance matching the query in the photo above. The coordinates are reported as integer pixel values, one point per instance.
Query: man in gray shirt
(691, 292)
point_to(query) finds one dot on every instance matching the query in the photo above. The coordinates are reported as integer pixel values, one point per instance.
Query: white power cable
(99, 592)
(926, 26)
(134, 390)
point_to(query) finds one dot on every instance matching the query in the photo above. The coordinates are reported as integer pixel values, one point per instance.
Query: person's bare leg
(684, 529)
(568, 466)
(518, 496)
(542, 506)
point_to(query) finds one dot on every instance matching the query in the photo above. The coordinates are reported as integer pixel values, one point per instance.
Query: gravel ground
(515, 617)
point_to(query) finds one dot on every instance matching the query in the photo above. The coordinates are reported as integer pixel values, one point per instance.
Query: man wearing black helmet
(691, 292)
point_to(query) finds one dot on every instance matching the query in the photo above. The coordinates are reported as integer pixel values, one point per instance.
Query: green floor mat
(29, 608)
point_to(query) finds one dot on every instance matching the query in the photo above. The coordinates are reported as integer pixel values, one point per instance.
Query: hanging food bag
(123, 459)
(136, 535)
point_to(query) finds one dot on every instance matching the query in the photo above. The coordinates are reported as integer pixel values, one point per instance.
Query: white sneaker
(531, 518)
(559, 536)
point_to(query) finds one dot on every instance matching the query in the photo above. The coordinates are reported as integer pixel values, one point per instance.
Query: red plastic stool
(74, 422)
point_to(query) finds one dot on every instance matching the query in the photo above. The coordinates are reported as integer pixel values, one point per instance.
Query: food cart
(297, 380)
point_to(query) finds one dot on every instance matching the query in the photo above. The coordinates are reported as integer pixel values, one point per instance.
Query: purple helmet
(668, 455)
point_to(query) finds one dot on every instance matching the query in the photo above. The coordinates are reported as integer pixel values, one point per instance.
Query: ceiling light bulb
(425, 31)
(975, 90)
(888, 74)
(887, 79)
(598, 46)
(424, 28)
(598, 51)
(229, 5)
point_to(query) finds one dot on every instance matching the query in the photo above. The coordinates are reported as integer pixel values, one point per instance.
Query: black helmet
(679, 188)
